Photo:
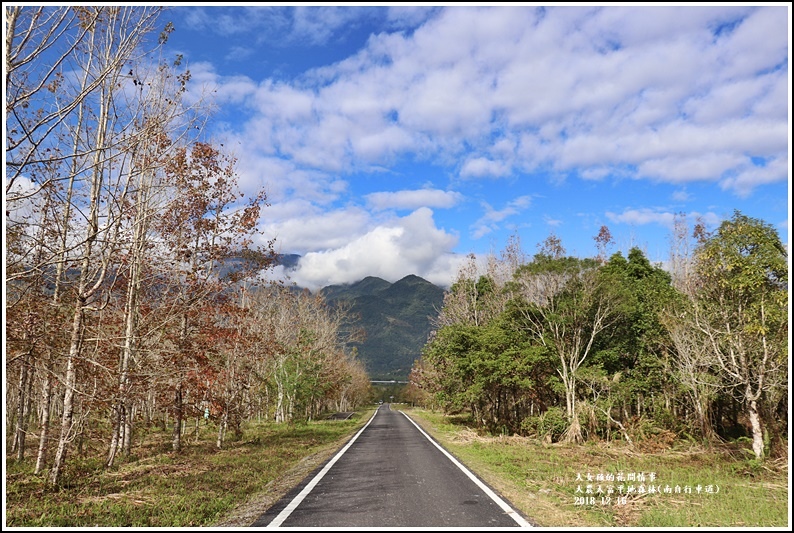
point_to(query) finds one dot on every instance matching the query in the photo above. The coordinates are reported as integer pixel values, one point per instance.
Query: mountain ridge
(396, 318)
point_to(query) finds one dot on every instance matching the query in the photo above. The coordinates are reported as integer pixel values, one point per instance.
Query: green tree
(638, 345)
(741, 307)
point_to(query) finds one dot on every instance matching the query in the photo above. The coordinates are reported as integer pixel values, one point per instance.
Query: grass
(200, 486)
(541, 480)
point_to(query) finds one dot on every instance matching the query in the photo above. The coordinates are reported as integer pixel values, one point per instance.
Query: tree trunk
(756, 428)
(574, 432)
(68, 395)
(22, 411)
(118, 416)
(222, 429)
(704, 422)
(128, 423)
(44, 426)
(176, 444)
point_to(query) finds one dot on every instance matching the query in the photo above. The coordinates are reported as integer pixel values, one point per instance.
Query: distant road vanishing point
(392, 474)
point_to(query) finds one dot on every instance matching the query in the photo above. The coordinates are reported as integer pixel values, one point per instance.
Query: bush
(551, 424)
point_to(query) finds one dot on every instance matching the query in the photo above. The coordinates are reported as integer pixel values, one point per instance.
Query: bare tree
(568, 306)
(162, 124)
(693, 366)
(119, 32)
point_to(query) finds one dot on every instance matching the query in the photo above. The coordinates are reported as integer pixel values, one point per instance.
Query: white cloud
(708, 167)
(21, 199)
(299, 227)
(614, 92)
(313, 26)
(393, 250)
(750, 176)
(641, 217)
(586, 89)
(433, 198)
(492, 217)
(480, 167)
(319, 24)
(675, 95)
(239, 53)
(408, 16)
(553, 222)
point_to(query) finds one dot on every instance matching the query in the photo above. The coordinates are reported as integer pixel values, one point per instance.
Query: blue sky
(397, 140)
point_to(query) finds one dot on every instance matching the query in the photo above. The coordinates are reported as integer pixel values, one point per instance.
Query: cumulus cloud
(667, 94)
(611, 95)
(21, 198)
(299, 226)
(750, 176)
(392, 250)
(605, 94)
(479, 167)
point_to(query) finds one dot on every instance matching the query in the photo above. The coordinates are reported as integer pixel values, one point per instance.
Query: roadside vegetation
(575, 350)
(133, 294)
(199, 486)
(540, 478)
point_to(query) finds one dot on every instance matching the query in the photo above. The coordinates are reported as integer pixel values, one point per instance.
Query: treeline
(132, 294)
(610, 347)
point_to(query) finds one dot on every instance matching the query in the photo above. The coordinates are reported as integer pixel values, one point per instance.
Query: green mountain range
(396, 318)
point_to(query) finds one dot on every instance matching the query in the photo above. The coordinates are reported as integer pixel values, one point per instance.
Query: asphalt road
(391, 475)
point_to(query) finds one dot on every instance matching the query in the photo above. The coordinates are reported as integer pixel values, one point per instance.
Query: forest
(132, 292)
(571, 349)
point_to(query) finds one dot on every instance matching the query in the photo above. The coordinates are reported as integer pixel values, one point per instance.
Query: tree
(638, 346)
(693, 365)
(119, 32)
(205, 229)
(566, 305)
(603, 241)
(741, 309)
(302, 340)
(159, 129)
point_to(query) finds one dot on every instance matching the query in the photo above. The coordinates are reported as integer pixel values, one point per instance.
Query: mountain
(396, 318)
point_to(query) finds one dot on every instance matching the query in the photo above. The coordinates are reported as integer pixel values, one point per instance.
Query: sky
(397, 140)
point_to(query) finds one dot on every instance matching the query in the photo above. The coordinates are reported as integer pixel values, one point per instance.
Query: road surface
(391, 474)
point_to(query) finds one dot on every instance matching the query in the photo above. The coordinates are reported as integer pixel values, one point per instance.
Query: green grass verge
(196, 487)
(540, 480)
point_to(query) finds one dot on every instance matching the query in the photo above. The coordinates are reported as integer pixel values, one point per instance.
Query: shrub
(550, 425)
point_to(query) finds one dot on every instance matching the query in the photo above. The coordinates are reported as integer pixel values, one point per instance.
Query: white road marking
(499, 501)
(284, 514)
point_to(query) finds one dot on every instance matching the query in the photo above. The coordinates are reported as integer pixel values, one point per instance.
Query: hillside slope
(396, 318)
